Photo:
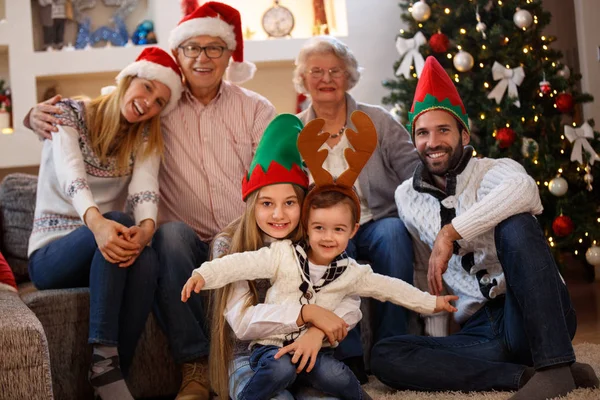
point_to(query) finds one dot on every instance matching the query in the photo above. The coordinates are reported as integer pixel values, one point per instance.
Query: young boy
(315, 272)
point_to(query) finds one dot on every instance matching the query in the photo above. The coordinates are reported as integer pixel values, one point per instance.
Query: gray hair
(325, 45)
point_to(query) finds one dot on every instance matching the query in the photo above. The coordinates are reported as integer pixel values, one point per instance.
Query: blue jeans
(273, 376)
(387, 246)
(120, 298)
(532, 325)
(180, 251)
(241, 372)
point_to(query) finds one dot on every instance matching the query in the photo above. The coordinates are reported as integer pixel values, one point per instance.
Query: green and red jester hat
(436, 91)
(277, 159)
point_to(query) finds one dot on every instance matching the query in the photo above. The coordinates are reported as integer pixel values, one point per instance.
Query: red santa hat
(156, 64)
(220, 20)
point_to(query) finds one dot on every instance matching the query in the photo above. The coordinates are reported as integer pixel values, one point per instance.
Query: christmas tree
(521, 100)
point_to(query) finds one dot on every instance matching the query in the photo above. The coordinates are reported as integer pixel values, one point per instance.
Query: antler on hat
(363, 142)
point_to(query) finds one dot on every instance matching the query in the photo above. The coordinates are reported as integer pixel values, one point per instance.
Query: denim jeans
(532, 325)
(240, 374)
(120, 298)
(180, 251)
(273, 376)
(387, 246)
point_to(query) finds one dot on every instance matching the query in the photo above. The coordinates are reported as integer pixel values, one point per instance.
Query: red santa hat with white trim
(154, 63)
(219, 20)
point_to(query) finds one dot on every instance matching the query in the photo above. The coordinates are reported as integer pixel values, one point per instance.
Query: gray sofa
(43, 333)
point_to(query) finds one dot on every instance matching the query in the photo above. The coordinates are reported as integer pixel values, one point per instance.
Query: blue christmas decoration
(144, 33)
(83, 34)
(116, 36)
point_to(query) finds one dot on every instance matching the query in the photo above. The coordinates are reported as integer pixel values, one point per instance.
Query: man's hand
(334, 327)
(442, 303)
(304, 349)
(195, 283)
(41, 118)
(140, 235)
(440, 256)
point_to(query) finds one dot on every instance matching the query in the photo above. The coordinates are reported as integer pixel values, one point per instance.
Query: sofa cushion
(17, 205)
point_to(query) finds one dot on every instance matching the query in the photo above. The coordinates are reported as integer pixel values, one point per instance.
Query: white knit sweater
(72, 179)
(280, 264)
(488, 191)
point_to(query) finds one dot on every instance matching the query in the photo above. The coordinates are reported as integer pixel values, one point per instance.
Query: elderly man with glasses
(326, 69)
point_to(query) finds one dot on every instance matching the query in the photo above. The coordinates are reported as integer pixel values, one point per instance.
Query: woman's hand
(42, 120)
(140, 235)
(109, 237)
(195, 283)
(334, 327)
(304, 349)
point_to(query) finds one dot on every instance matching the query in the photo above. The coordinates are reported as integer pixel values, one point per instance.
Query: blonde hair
(112, 136)
(325, 45)
(244, 235)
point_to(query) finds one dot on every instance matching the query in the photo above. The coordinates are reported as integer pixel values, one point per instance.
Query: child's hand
(305, 348)
(442, 303)
(195, 283)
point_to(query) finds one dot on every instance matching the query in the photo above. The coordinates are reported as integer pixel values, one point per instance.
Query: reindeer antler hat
(363, 142)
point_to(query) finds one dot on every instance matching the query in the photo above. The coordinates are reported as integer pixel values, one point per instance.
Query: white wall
(587, 14)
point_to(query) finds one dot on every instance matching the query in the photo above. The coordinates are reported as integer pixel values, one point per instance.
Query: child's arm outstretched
(250, 265)
(386, 288)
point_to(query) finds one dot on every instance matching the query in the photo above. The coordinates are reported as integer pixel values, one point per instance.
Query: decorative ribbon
(409, 50)
(579, 137)
(509, 78)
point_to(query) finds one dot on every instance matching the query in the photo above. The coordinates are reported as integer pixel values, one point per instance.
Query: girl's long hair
(112, 136)
(244, 235)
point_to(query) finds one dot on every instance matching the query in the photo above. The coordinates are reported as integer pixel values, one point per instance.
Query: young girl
(272, 213)
(320, 271)
(106, 152)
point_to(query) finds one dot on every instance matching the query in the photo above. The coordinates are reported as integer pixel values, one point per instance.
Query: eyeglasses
(318, 73)
(212, 51)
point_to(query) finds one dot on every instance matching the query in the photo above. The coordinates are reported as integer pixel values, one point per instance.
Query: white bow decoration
(509, 78)
(409, 49)
(579, 136)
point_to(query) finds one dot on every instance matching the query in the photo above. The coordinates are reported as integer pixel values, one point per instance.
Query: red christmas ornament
(545, 88)
(563, 226)
(565, 103)
(439, 42)
(505, 137)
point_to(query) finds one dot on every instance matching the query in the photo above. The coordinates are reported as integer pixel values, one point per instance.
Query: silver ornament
(529, 147)
(558, 186)
(480, 27)
(588, 178)
(421, 11)
(463, 61)
(592, 256)
(564, 72)
(522, 19)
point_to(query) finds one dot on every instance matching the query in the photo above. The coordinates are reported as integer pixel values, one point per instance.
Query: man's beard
(454, 158)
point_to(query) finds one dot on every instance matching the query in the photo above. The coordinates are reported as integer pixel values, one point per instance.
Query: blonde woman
(106, 152)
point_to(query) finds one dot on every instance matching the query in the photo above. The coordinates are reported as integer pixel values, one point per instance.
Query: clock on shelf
(278, 21)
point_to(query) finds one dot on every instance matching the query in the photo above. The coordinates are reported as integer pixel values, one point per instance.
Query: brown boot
(195, 384)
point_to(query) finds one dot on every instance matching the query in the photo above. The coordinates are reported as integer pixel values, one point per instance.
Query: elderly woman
(326, 70)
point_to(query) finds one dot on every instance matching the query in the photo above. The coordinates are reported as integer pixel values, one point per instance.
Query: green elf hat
(277, 159)
(436, 91)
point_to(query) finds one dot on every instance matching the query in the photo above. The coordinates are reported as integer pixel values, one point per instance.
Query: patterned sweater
(281, 264)
(72, 179)
(479, 196)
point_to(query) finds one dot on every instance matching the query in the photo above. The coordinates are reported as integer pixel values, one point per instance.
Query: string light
(576, 252)
(538, 182)
(535, 119)
(480, 65)
(486, 85)
(562, 151)
(499, 2)
(545, 47)
(507, 66)
(414, 75)
(522, 119)
(459, 47)
(412, 67)
(474, 153)
(535, 162)
(554, 64)
(483, 46)
(550, 239)
(586, 234)
(420, 25)
(456, 79)
(562, 137)
(560, 170)
(482, 116)
(449, 55)
(543, 38)
(525, 50)
(580, 240)
(506, 39)
(551, 244)
(402, 31)
(463, 31)
(545, 183)
(507, 125)
(447, 11)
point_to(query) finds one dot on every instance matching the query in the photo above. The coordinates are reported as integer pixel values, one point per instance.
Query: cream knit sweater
(488, 191)
(280, 264)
